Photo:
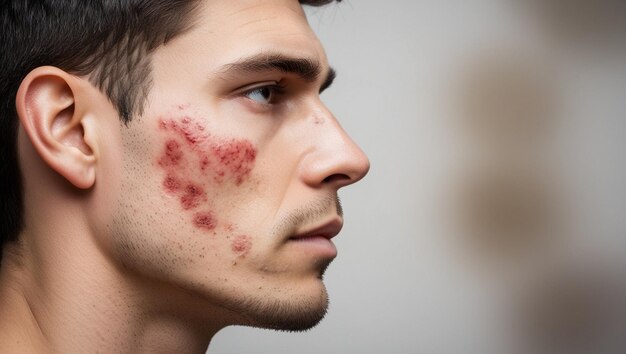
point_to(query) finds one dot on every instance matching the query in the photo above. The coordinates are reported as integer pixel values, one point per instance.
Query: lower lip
(317, 244)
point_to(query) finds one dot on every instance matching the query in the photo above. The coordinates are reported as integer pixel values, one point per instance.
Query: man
(168, 170)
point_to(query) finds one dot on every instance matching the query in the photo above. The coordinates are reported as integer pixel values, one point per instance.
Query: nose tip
(349, 171)
(336, 161)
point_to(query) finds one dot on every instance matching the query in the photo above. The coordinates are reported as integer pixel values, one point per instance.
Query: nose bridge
(335, 159)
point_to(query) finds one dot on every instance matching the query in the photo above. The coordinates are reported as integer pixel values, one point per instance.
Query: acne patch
(196, 165)
(171, 184)
(220, 159)
(234, 158)
(204, 220)
(192, 196)
(241, 245)
(204, 163)
(172, 154)
(192, 133)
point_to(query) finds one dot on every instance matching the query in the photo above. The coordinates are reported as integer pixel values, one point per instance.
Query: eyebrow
(307, 69)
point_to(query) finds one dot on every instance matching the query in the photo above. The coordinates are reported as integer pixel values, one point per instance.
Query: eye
(264, 95)
(261, 95)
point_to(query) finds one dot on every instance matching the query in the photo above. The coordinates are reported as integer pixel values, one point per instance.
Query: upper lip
(327, 230)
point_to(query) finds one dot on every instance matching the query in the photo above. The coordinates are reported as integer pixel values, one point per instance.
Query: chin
(284, 306)
(297, 314)
(294, 308)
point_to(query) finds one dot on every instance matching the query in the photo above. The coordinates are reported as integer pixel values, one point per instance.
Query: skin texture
(169, 229)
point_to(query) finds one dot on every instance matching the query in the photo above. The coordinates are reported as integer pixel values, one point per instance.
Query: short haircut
(109, 41)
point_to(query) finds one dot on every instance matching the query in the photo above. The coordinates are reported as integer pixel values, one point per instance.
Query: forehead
(225, 31)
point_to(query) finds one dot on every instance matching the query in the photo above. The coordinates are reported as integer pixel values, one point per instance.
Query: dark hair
(109, 41)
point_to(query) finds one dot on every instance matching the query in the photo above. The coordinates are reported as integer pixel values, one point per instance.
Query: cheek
(241, 245)
(204, 220)
(199, 169)
(189, 146)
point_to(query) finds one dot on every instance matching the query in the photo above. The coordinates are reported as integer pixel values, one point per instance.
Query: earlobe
(50, 112)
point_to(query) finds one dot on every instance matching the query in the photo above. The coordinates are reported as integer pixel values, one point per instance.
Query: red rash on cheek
(204, 221)
(172, 154)
(221, 159)
(241, 245)
(194, 161)
(192, 196)
(236, 157)
(171, 184)
(191, 132)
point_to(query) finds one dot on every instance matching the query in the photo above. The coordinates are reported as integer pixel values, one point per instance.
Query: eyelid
(275, 86)
(258, 85)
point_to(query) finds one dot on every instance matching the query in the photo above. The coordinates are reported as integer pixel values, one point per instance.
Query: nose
(334, 160)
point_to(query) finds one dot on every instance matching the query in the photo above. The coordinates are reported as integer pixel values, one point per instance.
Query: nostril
(337, 178)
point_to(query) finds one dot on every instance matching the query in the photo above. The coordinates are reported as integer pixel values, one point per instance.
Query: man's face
(230, 174)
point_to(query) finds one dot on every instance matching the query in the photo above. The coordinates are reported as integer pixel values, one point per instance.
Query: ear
(52, 115)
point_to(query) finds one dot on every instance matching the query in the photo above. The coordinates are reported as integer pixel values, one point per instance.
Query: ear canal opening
(83, 147)
(70, 133)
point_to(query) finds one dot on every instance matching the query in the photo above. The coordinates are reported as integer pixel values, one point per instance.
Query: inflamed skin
(194, 161)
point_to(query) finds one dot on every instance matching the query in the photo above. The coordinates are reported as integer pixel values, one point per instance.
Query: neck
(66, 296)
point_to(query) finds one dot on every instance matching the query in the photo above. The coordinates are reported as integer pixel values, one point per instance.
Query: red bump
(237, 157)
(241, 245)
(193, 195)
(172, 154)
(190, 132)
(171, 184)
(204, 220)
(162, 124)
(204, 163)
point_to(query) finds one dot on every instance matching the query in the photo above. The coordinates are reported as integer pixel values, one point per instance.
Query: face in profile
(224, 188)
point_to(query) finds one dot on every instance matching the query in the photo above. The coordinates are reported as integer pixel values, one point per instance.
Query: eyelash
(275, 88)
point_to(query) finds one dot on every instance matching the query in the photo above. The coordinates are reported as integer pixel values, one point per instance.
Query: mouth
(326, 231)
(318, 239)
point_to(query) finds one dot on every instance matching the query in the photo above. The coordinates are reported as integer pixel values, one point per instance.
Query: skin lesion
(171, 184)
(205, 220)
(222, 159)
(193, 134)
(241, 245)
(195, 162)
(172, 154)
(236, 157)
(192, 196)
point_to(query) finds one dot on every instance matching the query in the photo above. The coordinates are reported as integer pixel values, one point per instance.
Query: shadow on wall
(514, 207)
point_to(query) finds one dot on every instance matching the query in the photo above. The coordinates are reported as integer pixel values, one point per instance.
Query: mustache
(310, 213)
